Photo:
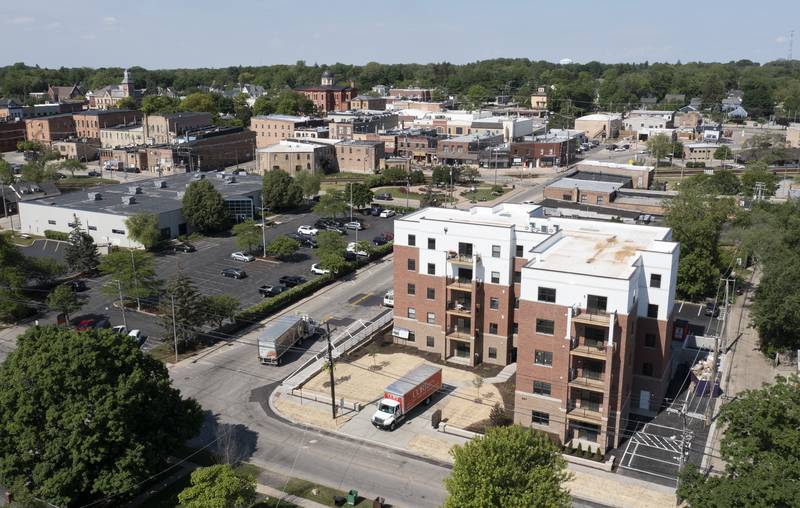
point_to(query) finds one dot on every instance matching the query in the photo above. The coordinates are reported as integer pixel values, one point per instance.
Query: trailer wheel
(392, 426)
(428, 401)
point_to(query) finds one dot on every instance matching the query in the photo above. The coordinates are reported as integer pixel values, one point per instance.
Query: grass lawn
(165, 352)
(344, 176)
(271, 502)
(485, 193)
(83, 182)
(399, 193)
(168, 498)
(303, 488)
(15, 238)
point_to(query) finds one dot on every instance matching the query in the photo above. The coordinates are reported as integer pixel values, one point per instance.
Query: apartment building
(465, 149)
(11, 132)
(583, 307)
(368, 102)
(123, 135)
(699, 152)
(272, 129)
(88, 123)
(344, 125)
(50, 128)
(165, 129)
(359, 156)
(293, 155)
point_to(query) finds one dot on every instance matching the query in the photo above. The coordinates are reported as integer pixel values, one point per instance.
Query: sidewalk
(299, 501)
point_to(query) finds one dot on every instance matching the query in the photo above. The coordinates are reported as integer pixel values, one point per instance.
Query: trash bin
(378, 502)
(352, 497)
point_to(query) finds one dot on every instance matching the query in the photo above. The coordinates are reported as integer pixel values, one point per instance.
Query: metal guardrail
(352, 337)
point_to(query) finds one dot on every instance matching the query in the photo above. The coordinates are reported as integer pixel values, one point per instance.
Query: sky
(158, 34)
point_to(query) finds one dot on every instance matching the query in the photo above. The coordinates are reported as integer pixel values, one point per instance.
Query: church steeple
(127, 84)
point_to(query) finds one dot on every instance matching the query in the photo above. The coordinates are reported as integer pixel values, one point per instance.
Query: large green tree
(660, 146)
(218, 308)
(218, 487)
(85, 415)
(204, 207)
(71, 165)
(331, 204)
(159, 105)
(183, 301)
(63, 299)
(80, 252)
(510, 467)
(761, 451)
(309, 183)
(756, 172)
(143, 228)
(723, 153)
(360, 194)
(13, 275)
(247, 234)
(282, 247)
(281, 192)
(130, 272)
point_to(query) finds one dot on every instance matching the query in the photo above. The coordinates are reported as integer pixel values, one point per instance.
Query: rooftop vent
(128, 200)
(134, 189)
(95, 196)
(160, 184)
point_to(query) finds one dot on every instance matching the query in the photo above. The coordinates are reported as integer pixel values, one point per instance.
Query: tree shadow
(228, 443)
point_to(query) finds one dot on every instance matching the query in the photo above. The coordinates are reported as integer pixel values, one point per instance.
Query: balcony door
(596, 304)
(465, 249)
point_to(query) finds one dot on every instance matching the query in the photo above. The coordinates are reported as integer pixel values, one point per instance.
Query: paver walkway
(503, 376)
(299, 501)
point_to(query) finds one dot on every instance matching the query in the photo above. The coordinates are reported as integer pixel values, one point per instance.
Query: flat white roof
(288, 146)
(590, 185)
(702, 145)
(615, 165)
(503, 215)
(602, 117)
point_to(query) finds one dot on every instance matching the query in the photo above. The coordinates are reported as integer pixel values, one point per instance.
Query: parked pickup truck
(281, 335)
(400, 397)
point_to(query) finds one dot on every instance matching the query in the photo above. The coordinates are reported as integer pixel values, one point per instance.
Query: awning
(400, 332)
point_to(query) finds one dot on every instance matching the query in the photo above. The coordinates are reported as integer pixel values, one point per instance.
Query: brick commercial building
(11, 132)
(543, 150)
(78, 149)
(699, 152)
(88, 123)
(50, 128)
(359, 156)
(272, 129)
(122, 136)
(165, 129)
(215, 148)
(347, 124)
(327, 96)
(600, 125)
(640, 176)
(583, 307)
(465, 149)
(293, 155)
(415, 94)
(368, 102)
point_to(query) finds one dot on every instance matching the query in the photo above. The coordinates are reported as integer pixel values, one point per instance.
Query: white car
(387, 213)
(354, 225)
(307, 230)
(120, 329)
(241, 256)
(353, 247)
(315, 268)
(388, 298)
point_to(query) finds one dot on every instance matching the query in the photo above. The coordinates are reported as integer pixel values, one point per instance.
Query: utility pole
(263, 227)
(684, 441)
(135, 280)
(715, 357)
(758, 189)
(174, 328)
(330, 370)
(122, 305)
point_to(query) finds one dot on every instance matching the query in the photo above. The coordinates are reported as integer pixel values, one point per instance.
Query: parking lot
(204, 267)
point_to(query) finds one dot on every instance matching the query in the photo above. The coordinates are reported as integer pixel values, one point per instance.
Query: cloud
(88, 37)
(109, 21)
(53, 26)
(22, 20)
(782, 39)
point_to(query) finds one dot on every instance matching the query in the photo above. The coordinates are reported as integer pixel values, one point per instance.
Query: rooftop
(502, 215)
(602, 117)
(585, 185)
(103, 112)
(291, 147)
(284, 118)
(152, 199)
(614, 165)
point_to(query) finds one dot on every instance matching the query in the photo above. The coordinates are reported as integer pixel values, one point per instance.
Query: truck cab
(388, 414)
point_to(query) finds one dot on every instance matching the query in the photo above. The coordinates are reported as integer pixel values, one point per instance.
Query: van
(388, 298)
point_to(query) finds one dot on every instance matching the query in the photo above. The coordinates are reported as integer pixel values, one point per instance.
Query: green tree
(330, 241)
(776, 310)
(723, 153)
(361, 195)
(660, 146)
(159, 105)
(182, 300)
(331, 204)
(63, 299)
(218, 308)
(282, 247)
(127, 103)
(14, 269)
(131, 272)
(394, 175)
(80, 253)
(289, 102)
(29, 146)
(218, 486)
(757, 98)
(470, 174)
(281, 192)
(263, 106)
(760, 449)
(83, 415)
(476, 96)
(143, 228)
(39, 170)
(71, 165)
(240, 108)
(509, 467)
(723, 181)
(309, 183)
(442, 174)
(204, 207)
(755, 172)
(200, 102)
(333, 262)
(6, 178)
(247, 234)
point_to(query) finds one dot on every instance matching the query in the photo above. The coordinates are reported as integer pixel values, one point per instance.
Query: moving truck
(281, 334)
(400, 397)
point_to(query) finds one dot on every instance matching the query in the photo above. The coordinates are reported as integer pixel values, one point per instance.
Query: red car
(91, 324)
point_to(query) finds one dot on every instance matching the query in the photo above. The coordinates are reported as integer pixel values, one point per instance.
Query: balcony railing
(587, 378)
(460, 283)
(463, 258)
(460, 307)
(584, 408)
(593, 316)
(459, 334)
(588, 346)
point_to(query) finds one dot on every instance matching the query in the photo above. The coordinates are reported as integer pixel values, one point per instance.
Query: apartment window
(118, 231)
(647, 369)
(412, 240)
(518, 251)
(516, 302)
(411, 289)
(431, 269)
(596, 303)
(543, 358)
(431, 318)
(495, 277)
(412, 264)
(514, 328)
(493, 328)
(429, 341)
(599, 200)
(493, 352)
(652, 310)
(540, 418)
(71, 224)
(51, 222)
(412, 337)
(650, 340)
(583, 198)
(412, 313)
(547, 295)
(495, 251)
(494, 303)
(431, 294)
(545, 326)
(655, 280)
(542, 388)
(92, 228)
(432, 243)
(517, 277)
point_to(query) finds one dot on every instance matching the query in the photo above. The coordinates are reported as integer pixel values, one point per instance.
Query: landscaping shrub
(56, 235)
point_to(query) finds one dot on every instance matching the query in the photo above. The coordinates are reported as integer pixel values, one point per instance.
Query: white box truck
(281, 334)
(400, 397)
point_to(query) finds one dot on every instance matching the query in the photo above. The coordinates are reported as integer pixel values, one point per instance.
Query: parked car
(381, 239)
(334, 228)
(307, 230)
(712, 309)
(77, 285)
(384, 196)
(183, 247)
(268, 291)
(388, 298)
(137, 336)
(93, 324)
(234, 273)
(241, 256)
(120, 329)
(387, 213)
(376, 210)
(93, 173)
(353, 247)
(354, 225)
(315, 268)
(291, 280)
(304, 241)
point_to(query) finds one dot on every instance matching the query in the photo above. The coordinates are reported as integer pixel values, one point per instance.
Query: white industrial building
(102, 211)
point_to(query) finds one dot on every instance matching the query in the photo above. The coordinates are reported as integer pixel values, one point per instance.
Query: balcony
(460, 308)
(459, 334)
(459, 283)
(588, 347)
(594, 317)
(585, 378)
(584, 409)
(462, 258)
